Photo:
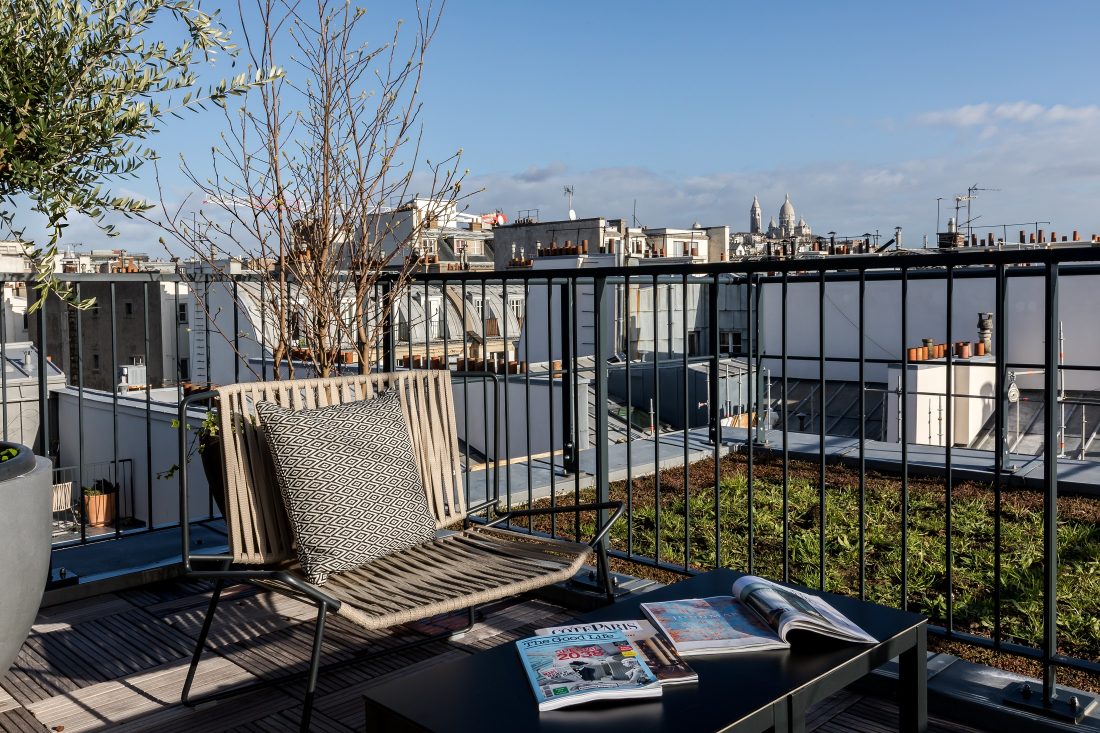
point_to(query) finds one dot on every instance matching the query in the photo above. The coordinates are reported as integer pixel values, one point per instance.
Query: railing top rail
(1084, 258)
(914, 262)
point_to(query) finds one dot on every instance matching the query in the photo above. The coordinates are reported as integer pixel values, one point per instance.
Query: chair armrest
(602, 530)
(483, 506)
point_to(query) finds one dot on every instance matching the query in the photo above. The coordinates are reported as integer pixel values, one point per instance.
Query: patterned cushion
(351, 484)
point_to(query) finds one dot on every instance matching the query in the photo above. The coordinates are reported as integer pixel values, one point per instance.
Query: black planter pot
(211, 455)
(22, 463)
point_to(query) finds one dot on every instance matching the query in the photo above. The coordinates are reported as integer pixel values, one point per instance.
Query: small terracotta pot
(979, 348)
(100, 509)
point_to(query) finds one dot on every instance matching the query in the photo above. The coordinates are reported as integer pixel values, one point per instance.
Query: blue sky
(864, 111)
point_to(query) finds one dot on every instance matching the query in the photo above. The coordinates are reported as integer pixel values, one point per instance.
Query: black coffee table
(736, 692)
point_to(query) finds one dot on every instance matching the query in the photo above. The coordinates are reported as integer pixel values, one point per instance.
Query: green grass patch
(658, 530)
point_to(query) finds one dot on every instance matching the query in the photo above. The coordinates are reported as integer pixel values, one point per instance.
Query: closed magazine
(659, 654)
(570, 669)
(759, 615)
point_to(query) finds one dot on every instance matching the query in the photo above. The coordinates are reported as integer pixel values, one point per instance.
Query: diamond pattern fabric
(349, 480)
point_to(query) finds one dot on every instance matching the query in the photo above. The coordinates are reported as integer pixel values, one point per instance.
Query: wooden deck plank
(19, 720)
(829, 708)
(7, 702)
(87, 609)
(113, 703)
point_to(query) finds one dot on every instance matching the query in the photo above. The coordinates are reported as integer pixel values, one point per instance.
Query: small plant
(205, 432)
(100, 487)
(8, 453)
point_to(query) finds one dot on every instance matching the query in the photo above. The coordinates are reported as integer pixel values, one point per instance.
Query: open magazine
(569, 669)
(758, 616)
(658, 653)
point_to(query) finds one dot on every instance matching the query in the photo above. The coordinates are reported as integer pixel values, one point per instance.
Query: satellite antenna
(568, 191)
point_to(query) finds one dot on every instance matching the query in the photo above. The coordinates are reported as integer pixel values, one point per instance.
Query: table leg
(913, 686)
(796, 714)
(780, 716)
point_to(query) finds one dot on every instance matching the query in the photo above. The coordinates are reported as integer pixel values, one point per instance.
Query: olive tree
(83, 87)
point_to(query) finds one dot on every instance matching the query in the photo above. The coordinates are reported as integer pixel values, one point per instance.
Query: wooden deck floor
(117, 662)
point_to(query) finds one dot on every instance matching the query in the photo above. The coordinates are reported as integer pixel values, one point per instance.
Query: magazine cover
(570, 669)
(662, 658)
(711, 625)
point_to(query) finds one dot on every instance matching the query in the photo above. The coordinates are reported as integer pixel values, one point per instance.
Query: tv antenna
(568, 192)
(970, 196)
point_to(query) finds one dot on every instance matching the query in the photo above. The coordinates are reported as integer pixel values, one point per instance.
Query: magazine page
(711, 626)
(784, 609)
(662, 658)
(574, 668)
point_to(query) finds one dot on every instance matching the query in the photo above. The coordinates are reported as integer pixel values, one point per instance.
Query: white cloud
(965, 116)
(986, 114)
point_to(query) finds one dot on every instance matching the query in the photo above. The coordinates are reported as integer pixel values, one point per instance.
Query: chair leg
(214, 598)
(471, 618)
(314, 668)
(605, 572)
(313, 671)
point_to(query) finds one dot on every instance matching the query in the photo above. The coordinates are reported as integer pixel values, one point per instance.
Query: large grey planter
(25, 513)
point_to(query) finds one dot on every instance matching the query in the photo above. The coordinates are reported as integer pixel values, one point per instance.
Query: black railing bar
(600, 300)
(527, 398)
(750, 482)
(485, 385)
(629, 422)
(114, 391)
(79, 366)
(148, 406)
(465, 389)
(855, 360)
(262, 339)
(850, 265)
(1000, 446)
(821, 430)
(1050, 478)
(921, 267)
(505, 310)
(656, 417)
(409, 340)
(206, 325)
(886, 390)
(786, 443)
(1015, 649)
(687, 421)
(43, 372)
(236, 337)
(575, 392)
(550, 399)
(903, 436)
(948, 557)
(176, 341)
(862, 378)
(714, 412)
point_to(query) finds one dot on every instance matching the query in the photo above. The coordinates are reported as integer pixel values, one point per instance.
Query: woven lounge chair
(476, 563)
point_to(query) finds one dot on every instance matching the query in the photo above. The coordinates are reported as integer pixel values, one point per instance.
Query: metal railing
(689, 298)
(594, 343)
